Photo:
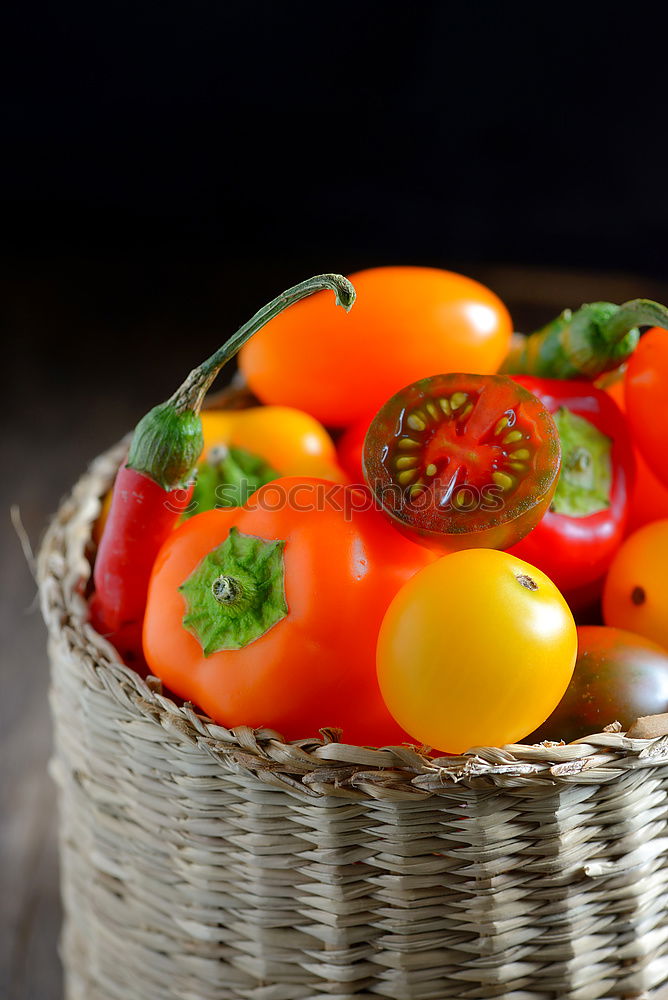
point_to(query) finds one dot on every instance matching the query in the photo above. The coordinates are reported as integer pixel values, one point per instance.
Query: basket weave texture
(201, 863)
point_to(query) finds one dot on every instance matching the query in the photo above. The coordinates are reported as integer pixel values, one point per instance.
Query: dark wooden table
(91, 347)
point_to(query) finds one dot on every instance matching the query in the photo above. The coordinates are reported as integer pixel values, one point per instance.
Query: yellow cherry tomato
(291, 441)
(635, 596)
(477, 649)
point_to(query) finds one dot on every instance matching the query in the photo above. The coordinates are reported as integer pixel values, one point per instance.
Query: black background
(167, 167)
(428, 131)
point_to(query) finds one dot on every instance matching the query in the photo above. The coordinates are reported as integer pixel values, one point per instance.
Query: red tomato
(462, 461)
(407, 323)
(574, 548)
(645, 387)
(268, 614)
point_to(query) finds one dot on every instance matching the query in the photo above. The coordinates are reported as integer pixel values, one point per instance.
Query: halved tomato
(459, 461)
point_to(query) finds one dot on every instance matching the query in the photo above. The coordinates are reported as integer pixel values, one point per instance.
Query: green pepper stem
(167, 441)
(190, 395)
(637, 312)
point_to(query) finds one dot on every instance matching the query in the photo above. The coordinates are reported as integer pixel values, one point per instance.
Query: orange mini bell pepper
(268, 614)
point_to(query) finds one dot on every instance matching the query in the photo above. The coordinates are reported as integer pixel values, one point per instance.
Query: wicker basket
(200, 863)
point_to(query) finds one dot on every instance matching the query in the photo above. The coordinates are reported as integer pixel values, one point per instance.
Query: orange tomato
(635, 596)
(291, 441)
(289, 630)
(476, 649)
(407, 323)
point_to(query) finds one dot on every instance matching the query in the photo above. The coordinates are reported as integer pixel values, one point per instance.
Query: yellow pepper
(291, 441)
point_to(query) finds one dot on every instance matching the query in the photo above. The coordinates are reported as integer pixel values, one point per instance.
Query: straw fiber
(200, 863)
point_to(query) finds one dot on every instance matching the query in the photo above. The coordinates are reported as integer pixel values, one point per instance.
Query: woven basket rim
(316, 766)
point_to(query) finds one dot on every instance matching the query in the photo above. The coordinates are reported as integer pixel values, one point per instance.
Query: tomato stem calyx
(236, 593)
(596, 338)
(637, 312)
(226, 589)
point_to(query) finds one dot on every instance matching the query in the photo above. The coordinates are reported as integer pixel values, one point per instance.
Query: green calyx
(599, 343)
(168, 441)
(228, 477)
(596, 338)
(236, 593)
(586, 468)
(166, 445)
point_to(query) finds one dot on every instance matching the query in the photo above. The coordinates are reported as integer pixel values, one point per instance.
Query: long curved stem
(190, 395)
(637, 312)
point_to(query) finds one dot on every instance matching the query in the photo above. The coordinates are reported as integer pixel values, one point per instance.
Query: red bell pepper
(154, 488)
(575, 541)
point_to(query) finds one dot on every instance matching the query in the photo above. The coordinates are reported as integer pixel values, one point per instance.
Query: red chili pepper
(575, 541)
(142, 515)
(154, 488)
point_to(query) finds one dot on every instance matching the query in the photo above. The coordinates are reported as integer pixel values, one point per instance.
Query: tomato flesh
(460, 461)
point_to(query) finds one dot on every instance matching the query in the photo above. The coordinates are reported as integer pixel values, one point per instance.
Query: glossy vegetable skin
(575, 551)
(245, 449)
(462, 461)
(649, 497)
(314, 665)
(635, 595)
(291, 441)
(619, 676)
(646, 388)
(476, 650)
(408, 323)
(141, 515)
